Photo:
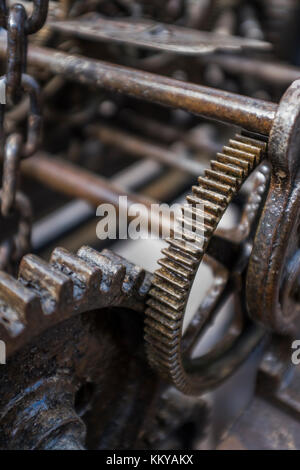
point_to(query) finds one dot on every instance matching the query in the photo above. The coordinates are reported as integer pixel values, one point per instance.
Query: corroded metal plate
(152, 35)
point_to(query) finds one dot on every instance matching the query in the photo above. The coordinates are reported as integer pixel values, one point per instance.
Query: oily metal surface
(172, 283)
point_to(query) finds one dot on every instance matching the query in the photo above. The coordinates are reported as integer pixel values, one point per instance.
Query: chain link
(14, 147)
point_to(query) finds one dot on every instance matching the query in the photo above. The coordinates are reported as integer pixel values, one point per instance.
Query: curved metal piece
(34, 125)
(272, 280)
(11, 167)
(172, 283)
(38, 17)
(16, 47)
(14, 249)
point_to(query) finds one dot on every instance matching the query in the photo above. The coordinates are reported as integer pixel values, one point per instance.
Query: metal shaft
(270, 72)
(76, 182)
(253, 114)
(141, 148)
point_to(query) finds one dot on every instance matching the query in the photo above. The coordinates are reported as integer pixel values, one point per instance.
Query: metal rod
(253, 114)
(76, 182)
(141, 148)
(55, 225)
(270, 72)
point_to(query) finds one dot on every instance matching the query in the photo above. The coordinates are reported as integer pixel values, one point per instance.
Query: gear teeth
(159, 327)
(163, 319)
(222, 177)
(175, 268)
(161, 342)
(195, 213)
(167, 311)
(198, 230)
(190, 248)
(112, 273)
(134, 281)
(159, 294)
(181, 258)
(48, 293)
(208, 206)
(254, 142)
(236, 153)
(228, 169)
(167, 287)
(234, 161)
(173, 280)
(53, 287)
(215, 185)
(18, 305)
(212, 196)
(86, 278)
(235, 144)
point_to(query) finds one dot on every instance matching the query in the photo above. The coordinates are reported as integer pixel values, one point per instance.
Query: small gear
(48, 293)
(75, 353)
(172, 282)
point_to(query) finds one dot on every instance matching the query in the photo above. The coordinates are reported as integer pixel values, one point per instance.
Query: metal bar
(253, 114)
(77, 182)
(270, 72)
(81, 184)
(141, 148)
(76, 212)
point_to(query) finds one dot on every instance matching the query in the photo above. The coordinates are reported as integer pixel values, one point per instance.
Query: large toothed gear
(75, 357)
(169, 353)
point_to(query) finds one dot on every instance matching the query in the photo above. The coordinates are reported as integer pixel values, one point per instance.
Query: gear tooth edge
(254, 150)
(18, 305)
(54, 288)
(171, 283)
(215, 185)
(169, 312)
(86, 278)
(112, 274)
(223, 177)
(162, 329)
(211, 196)
(197, 213)
(174, 278)
(135, 275)
(208, 206)
(163, 319)
(234, 161)
(168, 288)
(157, 340)
(240, 154)
(175, 268)
(228, 169)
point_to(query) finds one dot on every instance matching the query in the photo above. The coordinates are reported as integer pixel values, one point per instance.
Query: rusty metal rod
(270, 72)
(141, 148)
(253, 114)
(78, 183)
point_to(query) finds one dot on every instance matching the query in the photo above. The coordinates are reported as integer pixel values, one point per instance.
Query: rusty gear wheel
(172, 283)
(73, 376)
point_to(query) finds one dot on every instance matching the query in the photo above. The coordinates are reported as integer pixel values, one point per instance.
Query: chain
(15, 147)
